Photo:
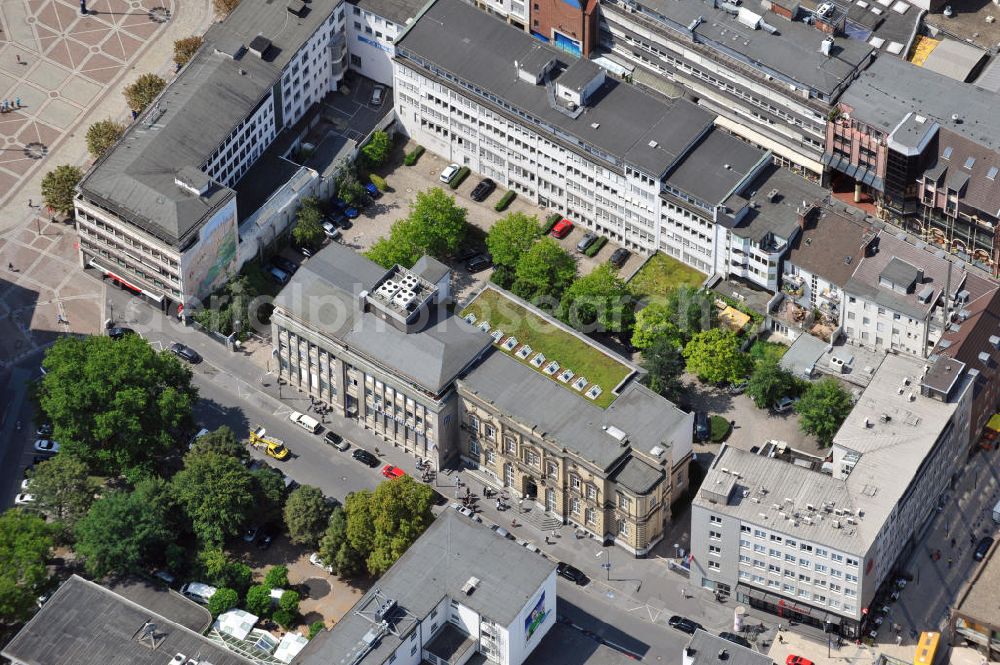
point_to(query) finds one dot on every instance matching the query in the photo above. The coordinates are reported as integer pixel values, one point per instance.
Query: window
(852, 562)
(491, 457)
(744, 543)
(551, 469)
(590, 516)
(744, 559)
(775, 553)
(757, 533)
(715, 519)
(835, 572)
(510, 445)
(790, 558)
(714, 535)
(771, 568)
(491, 432)
(715, 550)
(574, 482)
(837, 557)
(743, 527)
(790, 543)
(775, 538)
(591, 492)
(574, 506)
(713, 565)
(623, 501)
(850, 578)
(531, 457)
(757, 563)
(759, 549)
(806, 548)
(821, 552)
(474, 448)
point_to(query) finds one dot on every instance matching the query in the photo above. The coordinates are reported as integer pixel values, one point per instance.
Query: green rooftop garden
(661, 274)
(554, 343)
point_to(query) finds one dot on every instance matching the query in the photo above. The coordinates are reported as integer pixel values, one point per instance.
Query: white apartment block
(814, 541)
(157, 214)
(372, 26)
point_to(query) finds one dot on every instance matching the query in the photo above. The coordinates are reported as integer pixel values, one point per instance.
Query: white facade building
(372, 26)
(814, 541)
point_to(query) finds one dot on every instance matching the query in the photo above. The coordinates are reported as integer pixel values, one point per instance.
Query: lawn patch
(660, 274)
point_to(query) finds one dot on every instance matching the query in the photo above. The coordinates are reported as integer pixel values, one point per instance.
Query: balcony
(449, 646)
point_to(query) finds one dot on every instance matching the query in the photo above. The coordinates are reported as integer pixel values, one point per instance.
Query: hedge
(379, 182)
(719, 428)
(595, 247)
(411, 157)
(505, 200)
(459, 177)
(550, 221)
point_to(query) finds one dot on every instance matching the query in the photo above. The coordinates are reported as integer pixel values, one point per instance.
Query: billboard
(535, 618)
(211, 260)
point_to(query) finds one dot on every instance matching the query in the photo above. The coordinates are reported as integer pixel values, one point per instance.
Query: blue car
(372, 191)
(351, 213)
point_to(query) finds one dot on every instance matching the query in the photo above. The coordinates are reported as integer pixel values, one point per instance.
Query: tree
(769, 382)
(143, 91)
(822, 409)
(382, 524)
(125, 531)
(308, 229)
(221, 441)
(59, 188)
(714, 356)
(184, 49)
(218, 495)
(599, 300)
(664, 365)
(349, 189)
(289, 601)
(102, 135)
(217, 569)
(276, 577)
(510, 237)
(544, 271)
(388, 252)
(335, 547)
(25, 545)
(284, 618)
(684, 312)
(377, 150)
(225, 6)
(307, 515)
(117, 405)
(62, 487)
(258, 600)
(269, 494)
(223, 600)
(436, 225)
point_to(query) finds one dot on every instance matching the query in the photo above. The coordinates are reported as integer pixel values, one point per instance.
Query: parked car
(285, 264)
(351, 213)
(737, 388)
(185, 352)
(683, 624)
(336, 440)
(24, 499)
(982, 547)
(561, 229)
(449, 172)
(502, 532)
(118, 332)
(619, 257)
(44, 430)
(736, 639)
(315, 560)
(586, 241)
(264, 541)
(373, 191)
(165, 577)
(365, 457)
(198, 592)
(307, 252)
(392, 472)
(378, 95)
(483, 189)
(251, 534)
(278, 275)
(786, 403)
(797, 660)
(571, 573)
(702, 431)
(331, 231)
(308, 423)
(468, 512)
(479, 263)
(47, 446)
(194, 439)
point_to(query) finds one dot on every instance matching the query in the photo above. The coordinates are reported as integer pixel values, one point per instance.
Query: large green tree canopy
(25, 545)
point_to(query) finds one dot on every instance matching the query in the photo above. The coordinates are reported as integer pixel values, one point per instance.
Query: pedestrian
(683, 593)
(781, 640)
(498, 504)
(10, 266)
(30, 204)
(952, 543)
(18, 102)
(18, 56)
(949, 562)
(899, 640)
(513, 522)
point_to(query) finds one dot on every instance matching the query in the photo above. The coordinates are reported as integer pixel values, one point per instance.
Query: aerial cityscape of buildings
(820, 181)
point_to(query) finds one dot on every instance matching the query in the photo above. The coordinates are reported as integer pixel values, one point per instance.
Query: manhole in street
(35, 150)
(159, 14)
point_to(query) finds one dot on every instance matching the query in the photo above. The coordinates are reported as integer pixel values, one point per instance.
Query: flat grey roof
(778, 216)
(955, 59)
(565, 644)
(194, 115)
(527, 396)
(323, 296)
(707, 648)
(802, 355)
(85, 624)
(466, 47)
(268, 174)
(891, 88)
(397, 11)
(158, 598)
(451, 551)
(430, 269)
(638, 476)
(792, 53)
(715, 166)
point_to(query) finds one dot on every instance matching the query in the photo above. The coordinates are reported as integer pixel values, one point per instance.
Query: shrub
(258, 600)
(550, 221)
(719, 428)
(411, 157)
(596, 246)
(505, 201)
(289, 601)
(284, 618)
(315, 628)
(379, 182)
(223, 600)
(459, 178)
(277, 577)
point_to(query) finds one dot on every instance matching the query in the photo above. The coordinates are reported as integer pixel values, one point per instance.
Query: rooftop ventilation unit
(385, 609)
(653, 144)
(773, 194)
(259, 45)
(471, 585)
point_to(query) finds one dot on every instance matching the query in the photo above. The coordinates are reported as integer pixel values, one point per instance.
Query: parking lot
(406, 181)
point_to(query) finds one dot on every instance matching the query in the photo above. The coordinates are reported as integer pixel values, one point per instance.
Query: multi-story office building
(372, 25)
(157, 214)
(925, 147)
(459, 592)
(771, 77)
(378, 345)
(815, 541)
(609, 459)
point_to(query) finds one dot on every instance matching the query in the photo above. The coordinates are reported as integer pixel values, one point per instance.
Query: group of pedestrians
(8, 105)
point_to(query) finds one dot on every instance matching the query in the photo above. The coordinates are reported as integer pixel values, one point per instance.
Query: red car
(390, 471)
(797, 660)
(562, 228)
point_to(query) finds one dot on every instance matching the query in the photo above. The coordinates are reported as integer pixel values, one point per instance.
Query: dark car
(619, 257)
(264, 541)
(285, 264)
(307, 252)
(365, 457)
(479, 263)
(982, 548)
(351, 213)
(185, 352)
(736, 639)
(373, 191)
(701, 428)
(118, 332)
(483, 189)
(737, 388)
(683, 624)
(574, 575)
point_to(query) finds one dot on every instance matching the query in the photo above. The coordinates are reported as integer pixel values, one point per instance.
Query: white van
(996, 513)
(307, 423)
(198, 592)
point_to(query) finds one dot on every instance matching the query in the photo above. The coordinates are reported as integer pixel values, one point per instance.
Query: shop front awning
(128, 283)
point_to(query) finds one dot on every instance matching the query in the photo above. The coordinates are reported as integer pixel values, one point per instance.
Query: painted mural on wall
(535, 618)
(214, 256)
